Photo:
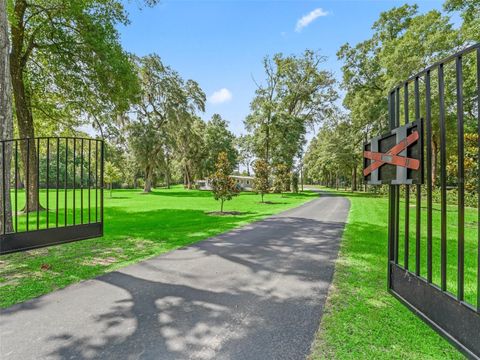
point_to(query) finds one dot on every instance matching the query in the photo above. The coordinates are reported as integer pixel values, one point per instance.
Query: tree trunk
(221, 206)
(354, 178)
(167, 179)
(267, 144)
(187, 178)
(23, 108)
(167, 172)
(6, 122)
(262, 198)
(301, 176)
(148, 180)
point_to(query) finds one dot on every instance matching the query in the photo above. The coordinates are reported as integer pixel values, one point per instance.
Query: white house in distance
(245, 183)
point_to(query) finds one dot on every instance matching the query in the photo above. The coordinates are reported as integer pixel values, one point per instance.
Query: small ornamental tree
(111, 175)
(295, 182)
(282, 178)
(260, 181)
(223, 186)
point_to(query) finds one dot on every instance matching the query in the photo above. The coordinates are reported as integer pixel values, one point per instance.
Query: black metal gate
(51, 191)
(434, 251)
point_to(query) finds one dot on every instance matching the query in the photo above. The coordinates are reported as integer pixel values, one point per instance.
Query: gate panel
(434, 285)
(438, 308)
(64, 176)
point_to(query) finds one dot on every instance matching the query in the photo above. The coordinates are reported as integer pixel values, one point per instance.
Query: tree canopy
(404, 42)
(219, 139)
(63, 66)
(296, 94)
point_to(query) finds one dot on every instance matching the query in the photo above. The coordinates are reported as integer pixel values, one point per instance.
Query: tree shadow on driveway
(252, 293)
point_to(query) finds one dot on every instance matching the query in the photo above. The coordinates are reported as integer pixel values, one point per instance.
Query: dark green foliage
(219, 139)
(294, 181)
(374, 66)
(297, 94)
(281, 182)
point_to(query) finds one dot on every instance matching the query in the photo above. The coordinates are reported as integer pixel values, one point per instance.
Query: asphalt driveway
(252, 293)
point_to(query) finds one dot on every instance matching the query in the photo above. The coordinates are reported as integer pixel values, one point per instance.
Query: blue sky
(221, 44)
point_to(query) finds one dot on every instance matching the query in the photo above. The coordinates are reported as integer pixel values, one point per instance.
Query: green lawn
(137, 226)
(362, 320)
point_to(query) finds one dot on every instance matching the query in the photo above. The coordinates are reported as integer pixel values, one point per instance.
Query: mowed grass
(137, 226)
(361, 319)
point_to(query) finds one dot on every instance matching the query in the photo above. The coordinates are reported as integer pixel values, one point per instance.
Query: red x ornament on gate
(392, 157)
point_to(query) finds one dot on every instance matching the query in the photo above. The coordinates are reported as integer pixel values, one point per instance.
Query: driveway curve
(256, 292)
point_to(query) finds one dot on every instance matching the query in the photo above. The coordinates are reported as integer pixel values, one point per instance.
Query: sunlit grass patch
(361, 319)
(137, 227)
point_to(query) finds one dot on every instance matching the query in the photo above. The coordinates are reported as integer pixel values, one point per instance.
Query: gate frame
(17, 241)
(449, 315)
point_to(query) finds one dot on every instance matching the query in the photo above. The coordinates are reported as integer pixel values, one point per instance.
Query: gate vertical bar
(4, 190)
(407, 188)
(428, 115)
(461, 186)
(391, 199)
(57, 181)
(38, 182)
(478, 179)
(102, 160)
(418, 215)
(16, 185)
(74, 155)
(397, 187)
(81, 181)
(66, 183)
(47, 180)
(27, 182)
(89, 177)
(102, 155)
(443, 178)
(96, 180)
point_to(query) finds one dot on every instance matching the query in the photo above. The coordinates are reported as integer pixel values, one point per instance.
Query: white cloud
(305, 20)
(220, 96)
